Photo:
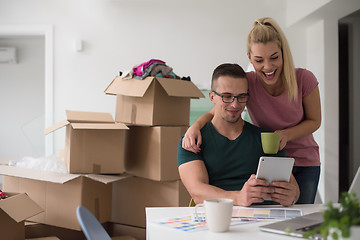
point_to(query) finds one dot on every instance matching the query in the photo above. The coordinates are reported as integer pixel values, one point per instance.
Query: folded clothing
(139, 70)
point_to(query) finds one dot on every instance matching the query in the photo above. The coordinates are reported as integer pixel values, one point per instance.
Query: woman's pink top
(277, 113)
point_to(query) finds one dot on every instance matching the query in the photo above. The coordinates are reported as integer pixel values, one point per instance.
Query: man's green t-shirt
(229, 163)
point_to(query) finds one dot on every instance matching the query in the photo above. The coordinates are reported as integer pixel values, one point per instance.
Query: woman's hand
(283, 138)
(192, 139)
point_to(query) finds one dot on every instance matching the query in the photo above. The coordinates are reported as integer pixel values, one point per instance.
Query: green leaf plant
(338, 220)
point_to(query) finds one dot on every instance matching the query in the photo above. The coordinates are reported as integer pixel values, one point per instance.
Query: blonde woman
(283, 99)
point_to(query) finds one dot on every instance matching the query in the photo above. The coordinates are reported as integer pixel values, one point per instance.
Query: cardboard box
(13, 212)
(115, 229)
(44, 238)
(153, 101)
(151, 152)
(37, 231)
(94, 142)
(123, 238)
(59, 194)
(132, 195)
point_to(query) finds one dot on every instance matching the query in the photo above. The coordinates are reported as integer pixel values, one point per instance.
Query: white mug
(218, 213)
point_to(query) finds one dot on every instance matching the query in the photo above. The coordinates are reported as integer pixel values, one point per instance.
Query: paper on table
(241, 215)
(191, 224)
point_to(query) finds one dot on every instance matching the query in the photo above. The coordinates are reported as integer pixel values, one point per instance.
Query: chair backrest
(91, 227)
(192, 203)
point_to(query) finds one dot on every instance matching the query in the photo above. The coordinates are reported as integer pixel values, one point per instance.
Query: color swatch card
(185, 224)
(266, 213)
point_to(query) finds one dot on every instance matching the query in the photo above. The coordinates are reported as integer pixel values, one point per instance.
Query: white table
(155, 231)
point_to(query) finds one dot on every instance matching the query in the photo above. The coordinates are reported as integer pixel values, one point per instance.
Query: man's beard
(231, 120)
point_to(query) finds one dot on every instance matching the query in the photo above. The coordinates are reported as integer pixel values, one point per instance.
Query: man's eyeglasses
(229, 98)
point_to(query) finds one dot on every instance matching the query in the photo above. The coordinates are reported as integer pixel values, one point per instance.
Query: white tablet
(275, 168)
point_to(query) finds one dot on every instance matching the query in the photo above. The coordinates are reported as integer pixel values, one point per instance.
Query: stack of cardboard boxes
(151, 116)
(94, 146)
(156, 111)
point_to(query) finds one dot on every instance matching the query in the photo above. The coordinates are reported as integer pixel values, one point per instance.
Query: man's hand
(253, 191)
(285, 193)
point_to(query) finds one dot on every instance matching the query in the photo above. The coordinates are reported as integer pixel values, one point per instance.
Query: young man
(226, 165)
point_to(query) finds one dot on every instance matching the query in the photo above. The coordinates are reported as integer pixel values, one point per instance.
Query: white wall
(297, 10)
(191, 36)
(315, 62)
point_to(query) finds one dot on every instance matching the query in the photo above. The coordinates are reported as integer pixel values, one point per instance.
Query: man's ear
(248, 55)
(211, 96)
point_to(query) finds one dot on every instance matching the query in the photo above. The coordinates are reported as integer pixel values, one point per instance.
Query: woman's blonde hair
(267, 30)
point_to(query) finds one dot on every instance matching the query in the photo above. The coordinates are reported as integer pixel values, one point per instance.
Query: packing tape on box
(133, 113)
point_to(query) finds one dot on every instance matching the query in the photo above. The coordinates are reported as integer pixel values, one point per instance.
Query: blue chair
(91, 227)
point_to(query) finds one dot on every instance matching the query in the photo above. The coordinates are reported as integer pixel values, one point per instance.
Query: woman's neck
(274, 90)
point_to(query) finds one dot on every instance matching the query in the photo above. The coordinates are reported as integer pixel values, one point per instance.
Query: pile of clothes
(154, 68)
(2, 195)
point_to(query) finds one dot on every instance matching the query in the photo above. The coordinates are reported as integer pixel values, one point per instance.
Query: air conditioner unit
(8, 55)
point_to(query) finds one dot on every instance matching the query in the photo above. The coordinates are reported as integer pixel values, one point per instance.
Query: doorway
(22, 98)
(26, 92)
(349, 99)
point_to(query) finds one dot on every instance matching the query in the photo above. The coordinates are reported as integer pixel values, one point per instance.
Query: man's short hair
(227, 69)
